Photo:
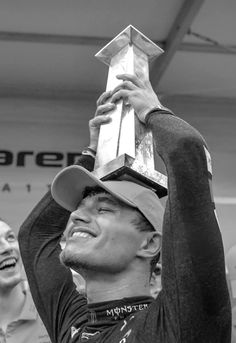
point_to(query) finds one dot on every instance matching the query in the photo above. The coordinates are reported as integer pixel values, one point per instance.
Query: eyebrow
(9, 231)
(109, 199)
(104, 198)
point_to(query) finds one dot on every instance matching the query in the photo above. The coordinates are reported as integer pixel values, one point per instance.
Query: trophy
(125, 145)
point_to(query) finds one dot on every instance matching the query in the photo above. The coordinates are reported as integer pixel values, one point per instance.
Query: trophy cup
(125, 145)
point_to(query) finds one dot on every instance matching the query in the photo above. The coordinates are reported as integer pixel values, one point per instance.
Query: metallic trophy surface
(125, 145)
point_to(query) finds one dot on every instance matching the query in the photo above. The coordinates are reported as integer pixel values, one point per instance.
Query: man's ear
(150, 245)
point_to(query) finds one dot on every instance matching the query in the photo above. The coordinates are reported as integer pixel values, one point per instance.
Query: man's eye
(11, 238)
(104, 209)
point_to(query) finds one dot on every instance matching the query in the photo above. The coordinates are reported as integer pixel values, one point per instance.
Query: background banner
(37, 139)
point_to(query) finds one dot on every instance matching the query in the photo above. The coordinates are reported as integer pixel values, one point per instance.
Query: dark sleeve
(51, 283)
(193, 269)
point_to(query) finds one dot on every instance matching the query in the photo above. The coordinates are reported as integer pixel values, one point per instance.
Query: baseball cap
(69, 184)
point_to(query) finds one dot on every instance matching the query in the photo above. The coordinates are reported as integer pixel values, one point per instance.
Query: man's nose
(5, 246)
(80, 215)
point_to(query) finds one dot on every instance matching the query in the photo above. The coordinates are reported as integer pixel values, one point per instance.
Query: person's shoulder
(29, 311)
(41, 330)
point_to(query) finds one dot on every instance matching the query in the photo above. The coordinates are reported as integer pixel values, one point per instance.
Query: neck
(108, 287)
(11, 304)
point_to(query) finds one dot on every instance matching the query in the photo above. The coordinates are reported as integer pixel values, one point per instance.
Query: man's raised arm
(50, 282)
(195, 292)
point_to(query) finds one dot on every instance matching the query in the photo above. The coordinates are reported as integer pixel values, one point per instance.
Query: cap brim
(68, 187)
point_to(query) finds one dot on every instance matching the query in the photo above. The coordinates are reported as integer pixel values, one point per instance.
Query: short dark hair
(143, 224)
(90, 191)
(140, 221)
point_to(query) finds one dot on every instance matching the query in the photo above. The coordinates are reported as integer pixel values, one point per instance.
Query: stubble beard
(70, 260)
(84, 264)
(11, 283)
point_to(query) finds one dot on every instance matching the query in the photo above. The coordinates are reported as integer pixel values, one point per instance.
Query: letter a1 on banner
(125, 145)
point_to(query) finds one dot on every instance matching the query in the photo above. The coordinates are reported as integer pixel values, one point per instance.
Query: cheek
(15, 247)
(118, 235)
(124, 240)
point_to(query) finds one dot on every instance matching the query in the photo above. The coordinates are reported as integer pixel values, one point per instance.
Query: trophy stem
(125, 146)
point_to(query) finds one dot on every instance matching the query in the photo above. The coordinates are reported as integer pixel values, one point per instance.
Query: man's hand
(104, 106)
(138, 92)
(135, 90)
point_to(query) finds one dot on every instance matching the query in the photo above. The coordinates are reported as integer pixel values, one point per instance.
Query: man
(19, 320)
(115, 238)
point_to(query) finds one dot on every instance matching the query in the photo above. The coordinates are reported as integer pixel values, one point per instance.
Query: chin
(63, 258)
(80, 264)
(86, 263)
(69, 259)
(10, 283)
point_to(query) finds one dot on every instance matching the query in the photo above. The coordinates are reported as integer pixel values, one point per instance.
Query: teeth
(8, 263)
(81, 234)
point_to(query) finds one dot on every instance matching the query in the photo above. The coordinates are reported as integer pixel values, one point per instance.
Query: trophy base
(127, 168)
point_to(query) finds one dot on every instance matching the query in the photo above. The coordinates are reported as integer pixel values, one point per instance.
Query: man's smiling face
(102, 235)
(10, 261)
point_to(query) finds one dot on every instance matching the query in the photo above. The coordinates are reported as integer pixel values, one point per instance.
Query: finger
(121, 94)
(124, 85)
(104, 108)
(98, 121)
(103, 98)
(129, 77)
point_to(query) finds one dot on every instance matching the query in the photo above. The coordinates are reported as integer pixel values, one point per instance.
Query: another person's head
(10, 260)
(115, 225)
(155, 281)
